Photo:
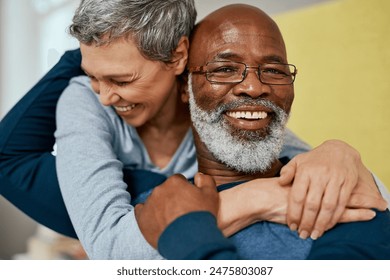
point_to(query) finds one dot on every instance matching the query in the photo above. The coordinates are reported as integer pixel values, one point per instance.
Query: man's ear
(180, 55)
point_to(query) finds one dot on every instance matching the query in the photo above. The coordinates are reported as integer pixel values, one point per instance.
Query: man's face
(138, 89)
(241, 124)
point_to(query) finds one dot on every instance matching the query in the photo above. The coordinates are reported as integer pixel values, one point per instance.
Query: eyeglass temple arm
(197, 69)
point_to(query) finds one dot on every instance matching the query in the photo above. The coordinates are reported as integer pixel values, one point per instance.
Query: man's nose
(251, 84)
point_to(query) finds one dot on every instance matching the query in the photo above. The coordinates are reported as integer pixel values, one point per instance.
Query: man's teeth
(248, 115)
(124, 108)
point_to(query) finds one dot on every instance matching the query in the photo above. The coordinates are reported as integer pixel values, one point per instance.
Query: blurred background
(341, 48)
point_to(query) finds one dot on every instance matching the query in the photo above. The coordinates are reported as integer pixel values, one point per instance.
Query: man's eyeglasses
(229, 72)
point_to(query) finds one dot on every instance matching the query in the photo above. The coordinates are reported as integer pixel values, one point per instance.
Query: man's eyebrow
(231, 56)
(226, 55)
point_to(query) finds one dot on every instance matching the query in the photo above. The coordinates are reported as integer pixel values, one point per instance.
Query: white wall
(33, 36)
(18, 51)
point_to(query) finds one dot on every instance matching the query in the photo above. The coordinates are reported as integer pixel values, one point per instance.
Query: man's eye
(273, 71)
(225, 69)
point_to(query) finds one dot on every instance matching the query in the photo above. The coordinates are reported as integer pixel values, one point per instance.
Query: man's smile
(249, 118)
(257, 115)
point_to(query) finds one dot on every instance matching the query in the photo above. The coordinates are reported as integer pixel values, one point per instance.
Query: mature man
(240, 91)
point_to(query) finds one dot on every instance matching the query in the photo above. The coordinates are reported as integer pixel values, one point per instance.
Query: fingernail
(293, 227)
(315, 234)
(303, 234)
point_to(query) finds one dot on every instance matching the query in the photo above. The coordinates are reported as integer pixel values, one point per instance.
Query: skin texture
(231, 38)
(245, 34)
(145, 93)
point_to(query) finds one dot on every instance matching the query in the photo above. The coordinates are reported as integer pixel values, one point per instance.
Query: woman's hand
(326, 181)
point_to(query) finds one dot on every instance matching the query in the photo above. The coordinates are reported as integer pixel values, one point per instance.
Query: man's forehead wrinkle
(230, 43)
(230, 30)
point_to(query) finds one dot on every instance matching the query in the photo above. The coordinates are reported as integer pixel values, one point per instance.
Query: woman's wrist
(251, 202)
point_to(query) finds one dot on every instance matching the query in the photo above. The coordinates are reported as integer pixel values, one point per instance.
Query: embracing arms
(188, 229)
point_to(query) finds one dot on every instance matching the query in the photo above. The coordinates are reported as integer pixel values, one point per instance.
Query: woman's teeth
(124, 108)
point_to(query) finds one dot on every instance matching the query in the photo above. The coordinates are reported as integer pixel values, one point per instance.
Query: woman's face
(138, 89)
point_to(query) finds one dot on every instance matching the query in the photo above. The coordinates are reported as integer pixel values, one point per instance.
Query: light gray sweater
(93, 146)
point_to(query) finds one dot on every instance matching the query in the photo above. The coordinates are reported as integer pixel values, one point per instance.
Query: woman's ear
(180, 55)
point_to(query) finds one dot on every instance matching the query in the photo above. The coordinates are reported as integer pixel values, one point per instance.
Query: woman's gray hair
(156, 26)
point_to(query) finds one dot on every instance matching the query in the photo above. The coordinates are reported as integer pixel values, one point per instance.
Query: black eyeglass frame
(203, 70)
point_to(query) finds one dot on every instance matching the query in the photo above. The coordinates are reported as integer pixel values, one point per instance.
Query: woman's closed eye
(120, 83)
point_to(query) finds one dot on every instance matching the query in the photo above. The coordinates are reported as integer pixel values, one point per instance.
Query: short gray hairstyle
(156, 26)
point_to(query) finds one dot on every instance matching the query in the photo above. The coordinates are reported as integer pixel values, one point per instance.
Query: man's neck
(223, 175)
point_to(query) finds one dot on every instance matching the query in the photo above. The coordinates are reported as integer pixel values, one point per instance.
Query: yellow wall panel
(342, 91)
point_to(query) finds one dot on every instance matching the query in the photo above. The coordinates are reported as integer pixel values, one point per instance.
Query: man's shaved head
(207, 33)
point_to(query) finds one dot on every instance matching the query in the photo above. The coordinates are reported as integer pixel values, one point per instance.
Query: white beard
(243, 151)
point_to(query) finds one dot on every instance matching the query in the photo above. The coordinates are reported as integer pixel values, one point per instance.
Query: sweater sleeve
(91, 178)
(28, 177)
(195, 236)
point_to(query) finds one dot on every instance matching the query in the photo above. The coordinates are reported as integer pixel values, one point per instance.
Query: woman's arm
(28, 177)
(267, 200)
(91, 178)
